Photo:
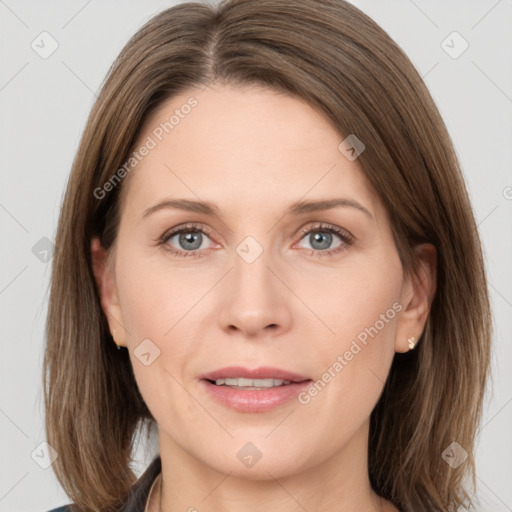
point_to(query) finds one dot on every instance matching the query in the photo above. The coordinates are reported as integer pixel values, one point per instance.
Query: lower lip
(255, 400)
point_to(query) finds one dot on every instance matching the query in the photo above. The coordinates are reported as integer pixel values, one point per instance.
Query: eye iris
(190, 238)
(318, 237)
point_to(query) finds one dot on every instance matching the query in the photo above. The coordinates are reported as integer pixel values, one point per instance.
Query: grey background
(44, 105)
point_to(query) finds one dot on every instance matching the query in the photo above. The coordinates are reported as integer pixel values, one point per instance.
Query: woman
(267, 217)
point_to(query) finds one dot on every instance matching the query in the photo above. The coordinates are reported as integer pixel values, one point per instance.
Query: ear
(105, 280)
(417, 296)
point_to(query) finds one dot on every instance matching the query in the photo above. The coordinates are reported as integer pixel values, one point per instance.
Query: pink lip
(254, 400)
(264, 372)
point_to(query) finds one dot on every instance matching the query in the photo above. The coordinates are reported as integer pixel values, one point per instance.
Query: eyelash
(345, 237)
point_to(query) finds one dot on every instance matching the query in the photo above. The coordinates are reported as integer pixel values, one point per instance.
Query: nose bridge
(251, 273)
(255, 299)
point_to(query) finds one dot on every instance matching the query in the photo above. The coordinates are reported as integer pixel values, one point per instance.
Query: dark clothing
(139, 492)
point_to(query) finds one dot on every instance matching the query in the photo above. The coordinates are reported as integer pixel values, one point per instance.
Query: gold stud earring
(411, 342)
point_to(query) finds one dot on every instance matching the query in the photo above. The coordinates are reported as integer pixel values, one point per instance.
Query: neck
(335, 484)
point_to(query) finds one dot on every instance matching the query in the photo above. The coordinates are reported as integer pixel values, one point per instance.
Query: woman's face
(266, 276)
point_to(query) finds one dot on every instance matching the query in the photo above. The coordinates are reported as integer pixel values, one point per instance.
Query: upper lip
(263, 372)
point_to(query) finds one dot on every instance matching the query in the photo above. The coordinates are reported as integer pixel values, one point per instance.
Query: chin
(247, 462)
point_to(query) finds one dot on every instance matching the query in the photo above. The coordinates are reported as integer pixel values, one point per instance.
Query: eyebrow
(301, 207)
(297, 208)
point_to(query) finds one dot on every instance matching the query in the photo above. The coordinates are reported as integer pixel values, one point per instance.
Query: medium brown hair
(331, 55)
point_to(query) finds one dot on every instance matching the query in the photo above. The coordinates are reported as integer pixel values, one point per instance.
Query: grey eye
(188, 240)
(321, 240)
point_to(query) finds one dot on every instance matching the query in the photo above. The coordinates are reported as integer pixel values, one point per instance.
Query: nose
(256, 302)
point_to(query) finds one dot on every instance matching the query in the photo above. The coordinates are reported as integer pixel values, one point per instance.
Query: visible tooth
(265, 382)
(244, 382)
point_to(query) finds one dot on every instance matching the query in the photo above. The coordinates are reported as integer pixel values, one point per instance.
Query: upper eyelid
(328, 227)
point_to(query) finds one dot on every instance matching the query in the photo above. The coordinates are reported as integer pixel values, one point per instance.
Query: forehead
(247, 146)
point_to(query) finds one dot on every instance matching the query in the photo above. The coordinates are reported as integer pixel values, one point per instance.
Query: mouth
(263, 377)
(253, 390)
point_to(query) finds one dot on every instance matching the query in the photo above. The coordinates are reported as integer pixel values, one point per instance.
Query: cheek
(157, 307)
(354, 361)
(153, 297)
(362, 303)
(353, 369)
